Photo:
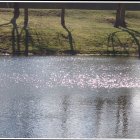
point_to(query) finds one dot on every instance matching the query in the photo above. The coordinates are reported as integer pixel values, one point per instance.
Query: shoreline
(78, 54)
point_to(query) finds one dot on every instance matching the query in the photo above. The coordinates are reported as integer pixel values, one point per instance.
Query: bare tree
(120, 16)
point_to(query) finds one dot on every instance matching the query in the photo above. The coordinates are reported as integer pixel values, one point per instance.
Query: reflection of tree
(22, 117)
(65, 115)
(99, 106)
(122, 112)
(121, 126)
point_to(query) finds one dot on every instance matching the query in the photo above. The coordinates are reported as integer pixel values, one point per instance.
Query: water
(69, 97)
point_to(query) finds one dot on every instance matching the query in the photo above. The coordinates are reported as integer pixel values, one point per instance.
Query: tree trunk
(16, 14)
(26, 31)
(120, 16)
(63, 17)
(15, 30)
(69, 33)
(25, 17)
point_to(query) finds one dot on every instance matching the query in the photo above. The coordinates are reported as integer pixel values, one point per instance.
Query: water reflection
(58, 97)
(122, 116)
(65, 110)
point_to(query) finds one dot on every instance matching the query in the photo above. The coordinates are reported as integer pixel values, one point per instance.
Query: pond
(69, 97)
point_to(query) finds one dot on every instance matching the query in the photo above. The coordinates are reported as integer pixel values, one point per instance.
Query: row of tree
(120, 15)
(120, 22)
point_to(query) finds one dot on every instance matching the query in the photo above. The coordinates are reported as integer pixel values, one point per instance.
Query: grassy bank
(92, 32)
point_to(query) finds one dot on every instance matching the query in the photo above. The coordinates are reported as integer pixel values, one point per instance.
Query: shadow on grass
(15, 38)
(14, 32)
(135, 35)
(23, 35)
(16, 35)
(40, 44)
(4, 24)
(71, 51)
(114, 41)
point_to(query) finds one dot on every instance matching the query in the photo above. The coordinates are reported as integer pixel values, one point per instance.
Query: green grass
(90, 30)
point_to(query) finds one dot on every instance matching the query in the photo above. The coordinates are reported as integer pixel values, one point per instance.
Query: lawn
(92, 32)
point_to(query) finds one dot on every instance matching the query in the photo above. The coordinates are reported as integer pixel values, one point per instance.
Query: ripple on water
(84, 72)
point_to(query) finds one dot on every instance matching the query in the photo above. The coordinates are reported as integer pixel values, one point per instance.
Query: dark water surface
(74, 97)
